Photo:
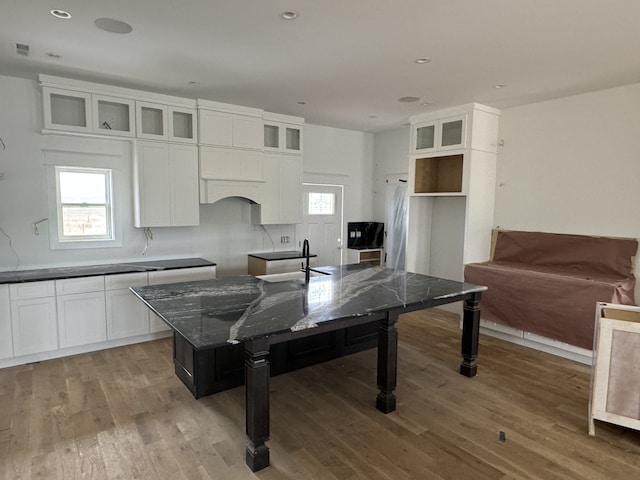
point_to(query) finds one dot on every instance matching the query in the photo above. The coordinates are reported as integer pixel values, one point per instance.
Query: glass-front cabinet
(439, 135)
(113, 116)
(151, 121)
(280, 136)
(67, 110)
(182, 125)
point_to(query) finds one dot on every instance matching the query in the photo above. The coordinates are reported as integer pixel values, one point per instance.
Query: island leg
(256, 369)
(387, 362)
(470, 335)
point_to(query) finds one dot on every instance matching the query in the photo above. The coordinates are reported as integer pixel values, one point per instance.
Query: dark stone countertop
(212, 313)
(271, 256)
(57, 273)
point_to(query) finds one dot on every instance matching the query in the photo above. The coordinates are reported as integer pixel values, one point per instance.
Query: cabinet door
(271, 132)
(216, 128)
(270, 205)
(6, 342)
(182, 125)
(66, 110)
(423, 137)
(290, 189)
(152, 185)
(113, 116)
(248, 132)
(151, 121)
(34, 325)
(185, 198)
(81, 319)
(292, 138)
(452, 133)
(127, 316)
(230, 164)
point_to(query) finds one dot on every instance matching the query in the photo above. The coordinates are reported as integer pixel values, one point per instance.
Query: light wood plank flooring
(122, 414)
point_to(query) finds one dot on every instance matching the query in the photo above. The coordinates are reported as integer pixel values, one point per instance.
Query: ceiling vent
(22, 49)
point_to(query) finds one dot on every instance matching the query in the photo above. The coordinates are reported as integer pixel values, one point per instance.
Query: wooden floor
(122, 414)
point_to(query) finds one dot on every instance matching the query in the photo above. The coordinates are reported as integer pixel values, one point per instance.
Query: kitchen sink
(288, 276)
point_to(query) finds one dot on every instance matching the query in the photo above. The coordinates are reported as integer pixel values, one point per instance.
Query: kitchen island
(258, 314)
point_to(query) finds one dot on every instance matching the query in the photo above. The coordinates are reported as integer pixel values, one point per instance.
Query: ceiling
(349, 61)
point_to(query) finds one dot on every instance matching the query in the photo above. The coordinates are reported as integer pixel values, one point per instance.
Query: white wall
(342, 157)
(225, 234)
(572, 165)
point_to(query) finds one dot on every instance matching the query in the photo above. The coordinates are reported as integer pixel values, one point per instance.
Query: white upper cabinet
(113, 116)
(283, 133)
(225, 125)
(151, 119)
(439, 134)
(183, 125)
(67, 110)
(74, 106)
(166, 185)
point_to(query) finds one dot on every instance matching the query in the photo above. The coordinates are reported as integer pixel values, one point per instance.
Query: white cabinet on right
(281, 192)
(166, 185)
(439, 134)
(451, 187)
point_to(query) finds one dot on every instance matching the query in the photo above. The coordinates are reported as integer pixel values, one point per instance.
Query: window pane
(76, 187)
(322, 203)
(84, 221)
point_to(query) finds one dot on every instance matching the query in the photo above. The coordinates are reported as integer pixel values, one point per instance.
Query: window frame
(333, 203)
(108, 205)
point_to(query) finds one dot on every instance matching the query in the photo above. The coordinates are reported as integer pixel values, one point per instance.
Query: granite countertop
(57, 273)
(212, 313)
(271, 256)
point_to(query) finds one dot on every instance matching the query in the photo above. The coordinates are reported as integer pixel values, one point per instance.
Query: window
(322, 203)
(84, 204)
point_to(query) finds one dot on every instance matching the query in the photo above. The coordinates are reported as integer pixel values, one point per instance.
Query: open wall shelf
(439, 174)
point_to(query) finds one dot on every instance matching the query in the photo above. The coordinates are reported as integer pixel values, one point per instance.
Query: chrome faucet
(305, 254)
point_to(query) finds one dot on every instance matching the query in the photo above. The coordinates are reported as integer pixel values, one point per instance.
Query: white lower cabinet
(127, 316)
(81, 315)
(6, 345)
(33, 317)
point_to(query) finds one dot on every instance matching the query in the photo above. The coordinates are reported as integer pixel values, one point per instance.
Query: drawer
(80, 285)
(125, 280)
(182, 275)
(24, 291)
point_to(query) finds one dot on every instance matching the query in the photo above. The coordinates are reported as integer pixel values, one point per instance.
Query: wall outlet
(284, 239)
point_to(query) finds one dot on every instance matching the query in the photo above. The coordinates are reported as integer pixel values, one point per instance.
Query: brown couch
(548, 284)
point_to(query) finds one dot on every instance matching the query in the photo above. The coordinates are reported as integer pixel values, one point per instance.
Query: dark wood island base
(244, 329)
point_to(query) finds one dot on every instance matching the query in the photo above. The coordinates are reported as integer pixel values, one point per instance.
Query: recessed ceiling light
(193, 83)
(423, 60)
(290, 15)
(373, 116)
(113, 26)
(408, 99)
(53, 55)
(302, 103)
(58, 13)
(425, 104)
(499, 85)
